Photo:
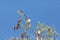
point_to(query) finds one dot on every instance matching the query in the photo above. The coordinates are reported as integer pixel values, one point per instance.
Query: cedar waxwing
(18, 25)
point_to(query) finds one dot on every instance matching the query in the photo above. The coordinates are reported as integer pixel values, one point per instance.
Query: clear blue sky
(45, 11)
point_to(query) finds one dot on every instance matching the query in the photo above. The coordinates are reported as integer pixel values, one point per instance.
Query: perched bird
(22, 35)
(18, 25)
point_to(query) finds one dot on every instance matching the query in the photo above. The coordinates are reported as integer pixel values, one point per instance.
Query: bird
(18, 25)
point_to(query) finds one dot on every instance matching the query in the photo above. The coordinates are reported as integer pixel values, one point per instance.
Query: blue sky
(45, 11)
